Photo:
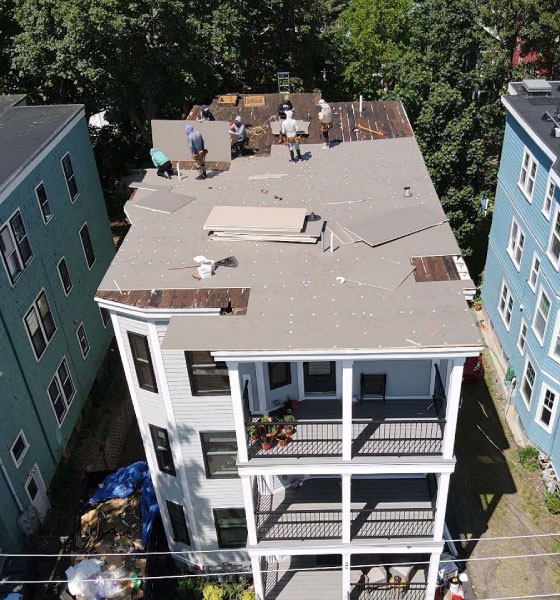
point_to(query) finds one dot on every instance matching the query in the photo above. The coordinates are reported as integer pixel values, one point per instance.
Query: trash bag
(77, 577)
(107, 584)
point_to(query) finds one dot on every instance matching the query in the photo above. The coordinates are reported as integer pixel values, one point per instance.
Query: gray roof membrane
(307, 296)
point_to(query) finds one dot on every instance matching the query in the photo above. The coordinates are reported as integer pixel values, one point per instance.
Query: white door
(37, 492)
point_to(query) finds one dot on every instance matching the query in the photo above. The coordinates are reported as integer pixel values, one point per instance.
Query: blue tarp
(123, 483)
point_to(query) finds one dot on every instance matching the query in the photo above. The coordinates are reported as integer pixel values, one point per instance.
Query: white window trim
(34, 305)
(555, 262)
(527, 403)
(84, 250)
(519, 185)
(45, 221)
(17, 463)
(543, 210)
(555, 334)
(548, 428)
(65, 180)
(535, 258)
(66, 402)
(7, 224)
(510, 250)
(84, 356)
(539, 298)
(507, 325)
(522, 350)
(61, 280)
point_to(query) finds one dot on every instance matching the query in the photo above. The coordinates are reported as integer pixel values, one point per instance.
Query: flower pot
(254, 437)
(283, 441)
(294, 403)
(289, 430)
(266, 444)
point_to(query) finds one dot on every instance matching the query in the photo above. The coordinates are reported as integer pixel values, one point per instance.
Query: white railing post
(432, 575)
(257, 577)
(441, 504)
(238, 412)
(453, 394)
(250, 516)
(347, 388)
(346, 564)
(346, 508)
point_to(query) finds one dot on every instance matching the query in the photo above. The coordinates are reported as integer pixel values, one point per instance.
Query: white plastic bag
(77, 576)
(107, 585)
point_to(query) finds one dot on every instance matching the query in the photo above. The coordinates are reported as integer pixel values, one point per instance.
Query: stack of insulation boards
(262, 224)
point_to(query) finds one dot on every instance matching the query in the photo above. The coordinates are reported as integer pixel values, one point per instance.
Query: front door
(319, 378)
(35, 488)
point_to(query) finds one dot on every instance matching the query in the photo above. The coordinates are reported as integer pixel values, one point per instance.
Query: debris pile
(548, 474)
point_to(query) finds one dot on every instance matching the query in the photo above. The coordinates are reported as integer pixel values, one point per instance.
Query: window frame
(538, 312)
(18, 461)
(85, 226)
(34, 307)
(140, 380)
(67, 401)
(540, 406)
(555, 337)
(548, 198)
(154, 430)
(516, 245)
(86, 351)
(9, 227)
(556, 219)
(195, 391)
(284, 382)
(521, 335)
(533, 285)
(172, 520)
(217, 518)
(45, 219)
(105, 322)
(521, 390)
(205, 453)
(523, 185)
(509, 297)
(66, 292)
(66, 179)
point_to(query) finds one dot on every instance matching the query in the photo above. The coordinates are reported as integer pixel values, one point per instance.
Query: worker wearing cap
(284, 106)
(205, 114)
(289, 130)
(197, 148)
(325, 116)
(162, 163)
(238, 133)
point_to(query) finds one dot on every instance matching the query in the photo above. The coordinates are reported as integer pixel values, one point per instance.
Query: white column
(441, 504)
(453, 393)
(432, 575)
(346, 508)
(346, 562)
(347, 385)
(261, 390)
(257, 577)
(435, 363)
(238, 411)
(249, 501)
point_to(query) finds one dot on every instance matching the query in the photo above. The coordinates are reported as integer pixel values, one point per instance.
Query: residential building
(364, 341)
(55, 245)
(521, 280)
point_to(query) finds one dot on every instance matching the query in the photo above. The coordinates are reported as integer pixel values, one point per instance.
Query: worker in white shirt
(238, 133)
(289, 130)
(325, 116)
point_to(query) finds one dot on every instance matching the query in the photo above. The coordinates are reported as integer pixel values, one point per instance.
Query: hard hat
(238, 119)
(205, 108)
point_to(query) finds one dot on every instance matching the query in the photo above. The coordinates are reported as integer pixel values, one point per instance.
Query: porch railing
(392, 523)
(388, 591)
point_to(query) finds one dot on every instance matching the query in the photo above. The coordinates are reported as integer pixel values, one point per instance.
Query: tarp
(123, 483)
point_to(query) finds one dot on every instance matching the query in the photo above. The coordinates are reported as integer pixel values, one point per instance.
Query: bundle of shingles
(263, 224)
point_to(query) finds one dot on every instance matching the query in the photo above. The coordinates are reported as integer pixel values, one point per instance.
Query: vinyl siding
(405, 378)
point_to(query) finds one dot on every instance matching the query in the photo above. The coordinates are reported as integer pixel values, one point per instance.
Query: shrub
(247, 594)
(213, 591)
(189, 588)
(528, 457)
(553, 502)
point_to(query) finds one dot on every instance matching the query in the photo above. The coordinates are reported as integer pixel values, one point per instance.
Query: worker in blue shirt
(197, 148)
(162, 162)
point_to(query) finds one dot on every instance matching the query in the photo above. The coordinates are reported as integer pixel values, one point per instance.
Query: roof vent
(536, 87)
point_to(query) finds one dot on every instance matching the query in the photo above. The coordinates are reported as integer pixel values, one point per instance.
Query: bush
(190, 588)
(213, 591)
(528, 457)
(553, 502)
(247, 594)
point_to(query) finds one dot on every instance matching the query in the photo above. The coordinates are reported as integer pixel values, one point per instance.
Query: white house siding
(405, 378)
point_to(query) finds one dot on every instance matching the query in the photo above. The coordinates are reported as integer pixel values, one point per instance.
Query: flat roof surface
(26, 130)
(531, 109)
(296, 301)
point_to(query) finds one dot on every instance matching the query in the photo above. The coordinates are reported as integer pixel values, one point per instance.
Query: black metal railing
(394, 437)
(392, 523)
(440, 399)
(298, 524)
(389, 591)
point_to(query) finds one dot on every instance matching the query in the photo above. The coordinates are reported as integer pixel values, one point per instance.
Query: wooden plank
(452, 272)
(254, 101)
(166, 298)
(155, 299)
(419, 272)
(351, 122)
(186, 299)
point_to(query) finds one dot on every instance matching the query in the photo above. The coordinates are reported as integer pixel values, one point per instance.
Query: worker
(238, 133)
(198, 150)
(205, 114)
(162, 162)
(289, 130)
(284, 106)
(325, 116)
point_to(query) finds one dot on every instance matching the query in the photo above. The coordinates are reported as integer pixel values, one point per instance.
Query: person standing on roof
(289, 129)
(238, 133)
(325, 116)
(205, 114)
(163, 164)
(197, 148)
(284, 106)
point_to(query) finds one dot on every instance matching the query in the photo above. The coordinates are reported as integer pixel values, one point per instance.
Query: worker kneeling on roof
(238, 133)
(289, 131)
(162, 162)
(198, 151)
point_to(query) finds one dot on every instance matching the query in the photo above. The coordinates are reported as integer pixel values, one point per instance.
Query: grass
(528, 457)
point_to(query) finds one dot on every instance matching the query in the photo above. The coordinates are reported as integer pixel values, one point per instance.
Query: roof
(302, 295)
(530, 108)
(26, 130)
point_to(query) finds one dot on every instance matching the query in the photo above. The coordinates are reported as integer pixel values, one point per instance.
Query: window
(142, 361)
(160, 439)
(554, 241)
(528, 175)
(528, 383)
(178, 522)
(534, 272)
(522, 339)
(87, 246)
(40, 324)
(70, 177)
(105, 316)
(14, 247)
(19, 448)
(547, 408)
(547, 206)
(41, 194)
(82, 339)
(231, 527)
(207, 376)
(505, 306)
(541, 316)
(516, 243)
(220, 453)
(279, 374)
(61, 391)
(64, 276)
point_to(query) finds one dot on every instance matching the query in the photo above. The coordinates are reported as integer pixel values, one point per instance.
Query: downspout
(11, 486)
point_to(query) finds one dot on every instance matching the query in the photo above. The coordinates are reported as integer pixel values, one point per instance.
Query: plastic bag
(107, 585)
(90, 568)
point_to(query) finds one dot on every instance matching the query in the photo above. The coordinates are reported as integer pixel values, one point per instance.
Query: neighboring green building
(55, 246)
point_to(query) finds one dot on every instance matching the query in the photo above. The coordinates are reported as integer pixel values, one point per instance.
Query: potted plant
(254, 432)
(282, 438)
(477, 303)
(266, 443)
(289, 427)
(292, 403)
(268, 428)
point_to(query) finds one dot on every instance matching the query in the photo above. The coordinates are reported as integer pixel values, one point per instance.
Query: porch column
(261, 390)
(432, 575)
(238, 411)
(453, 393)
(346, 508)
(249, 501)
(347, 384)
(257, 577)
(435, 363)
(346, 562)
(441, 504)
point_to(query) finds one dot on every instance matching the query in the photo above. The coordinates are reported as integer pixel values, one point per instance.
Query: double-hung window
(207, 376)
(61, 391)
(522, 339)
(555, 344)
(70, 177)
(64, 276)
(43, 201)
(220, 453)
(516, 243)
(162, 449)
(87, 246)
(178, 522)
(505, 306)
(553, 251)
(535, 268)
(549, 197)
(528, 382)
(142, 361)
(231, 527)
(15, 247)
(542, 312)
(546, 410)
(528, 175)
(40, 324)
(82, 340)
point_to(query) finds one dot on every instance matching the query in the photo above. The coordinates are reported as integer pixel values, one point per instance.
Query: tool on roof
(364, 128)
(229, 261)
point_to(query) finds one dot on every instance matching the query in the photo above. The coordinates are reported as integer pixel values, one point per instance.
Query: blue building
(55, 246)
(522, 280)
